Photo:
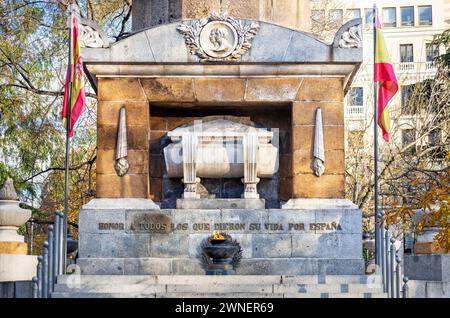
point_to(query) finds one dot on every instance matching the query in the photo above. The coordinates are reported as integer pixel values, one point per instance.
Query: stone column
(189, 143)
(250, 147)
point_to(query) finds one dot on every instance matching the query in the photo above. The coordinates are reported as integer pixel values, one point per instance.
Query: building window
(434, 137)
(406, 97)
(336, 15)
(407, 16)
(389, 17)
(406, 53)
(432, 52)
(355, 101)
(354, 14)
(425, 15)
(368, 17)
(408, 139)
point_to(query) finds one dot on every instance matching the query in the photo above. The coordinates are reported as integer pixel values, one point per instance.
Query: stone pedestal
(15, 264)
(312, 240)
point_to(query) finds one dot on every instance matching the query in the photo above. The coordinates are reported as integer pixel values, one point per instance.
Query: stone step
(223, 288)
(232, 279)
(215, 295)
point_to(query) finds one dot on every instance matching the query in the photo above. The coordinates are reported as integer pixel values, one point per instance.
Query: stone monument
(228, 123)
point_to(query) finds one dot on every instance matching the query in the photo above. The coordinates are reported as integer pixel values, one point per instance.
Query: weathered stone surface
(13, 248)
(310, 186)
(320, 204)
(115, 245)
(220, 204)
(137, 159)
(16, 267)
(137, 137)
(272, 89)
(169, 89)
(117, 204)
(303, 137)
(272, 245)
(175, 245)
(303, 159)
(120, 89)
(303, 113)
(128, 186)
(312, 89)
(137, 112)
(330, 245)
(428, 267)
(219, 90)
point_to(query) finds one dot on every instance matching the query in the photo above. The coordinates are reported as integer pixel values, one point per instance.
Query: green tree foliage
(33, 64)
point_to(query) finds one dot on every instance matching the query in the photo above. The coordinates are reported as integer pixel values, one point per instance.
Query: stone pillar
(190, 180)
(113, 95)
(250, 149)
(326, 94)
(15, 264)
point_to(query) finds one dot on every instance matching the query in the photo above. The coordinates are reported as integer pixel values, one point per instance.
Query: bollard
(392, 267)
(386, 256)
(398, 283)
(34, 287)
(50, 258)
(45, 271)
(382, 253)
(405, 288)
(61, 242)
(40, 277)
(56, 248)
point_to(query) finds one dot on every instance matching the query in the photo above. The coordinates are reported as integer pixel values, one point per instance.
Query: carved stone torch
(319, 152)
(121, 164)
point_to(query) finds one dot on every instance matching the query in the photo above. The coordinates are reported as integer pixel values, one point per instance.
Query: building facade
(409, 27)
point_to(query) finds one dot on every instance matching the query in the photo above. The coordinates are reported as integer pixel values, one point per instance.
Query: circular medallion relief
(218, 39)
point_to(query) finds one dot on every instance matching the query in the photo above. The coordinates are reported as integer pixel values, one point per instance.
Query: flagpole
(375, 140)
(66, 171)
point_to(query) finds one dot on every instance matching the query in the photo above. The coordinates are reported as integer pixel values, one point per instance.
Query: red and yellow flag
(75, 76)
(384, 74)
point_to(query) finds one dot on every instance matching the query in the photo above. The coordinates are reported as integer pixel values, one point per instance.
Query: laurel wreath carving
(245, 31)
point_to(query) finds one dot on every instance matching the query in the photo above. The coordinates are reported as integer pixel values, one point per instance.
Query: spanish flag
(74, 80)
(384, 74)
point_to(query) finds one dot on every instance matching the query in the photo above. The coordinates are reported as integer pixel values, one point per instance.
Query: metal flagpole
(375, 140)
(66, 176)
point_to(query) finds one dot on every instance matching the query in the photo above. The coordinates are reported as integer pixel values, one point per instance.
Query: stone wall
(290, 13)
(157, 105)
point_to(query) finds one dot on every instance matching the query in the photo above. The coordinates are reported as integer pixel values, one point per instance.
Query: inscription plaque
(151, 223)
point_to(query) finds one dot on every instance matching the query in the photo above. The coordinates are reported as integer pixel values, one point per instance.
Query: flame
(218, 236)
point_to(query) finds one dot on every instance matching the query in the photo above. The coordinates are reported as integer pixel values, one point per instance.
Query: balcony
(354, 111)
(408, 66)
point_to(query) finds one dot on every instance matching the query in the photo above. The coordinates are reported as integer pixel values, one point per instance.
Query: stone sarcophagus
(221, 149)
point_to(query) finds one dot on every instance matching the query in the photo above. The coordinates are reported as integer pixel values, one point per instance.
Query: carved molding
(218, 37)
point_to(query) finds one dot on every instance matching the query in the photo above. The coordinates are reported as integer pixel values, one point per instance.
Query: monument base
(133, 241)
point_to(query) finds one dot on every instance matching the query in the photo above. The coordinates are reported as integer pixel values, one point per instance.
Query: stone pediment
(270, 43)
